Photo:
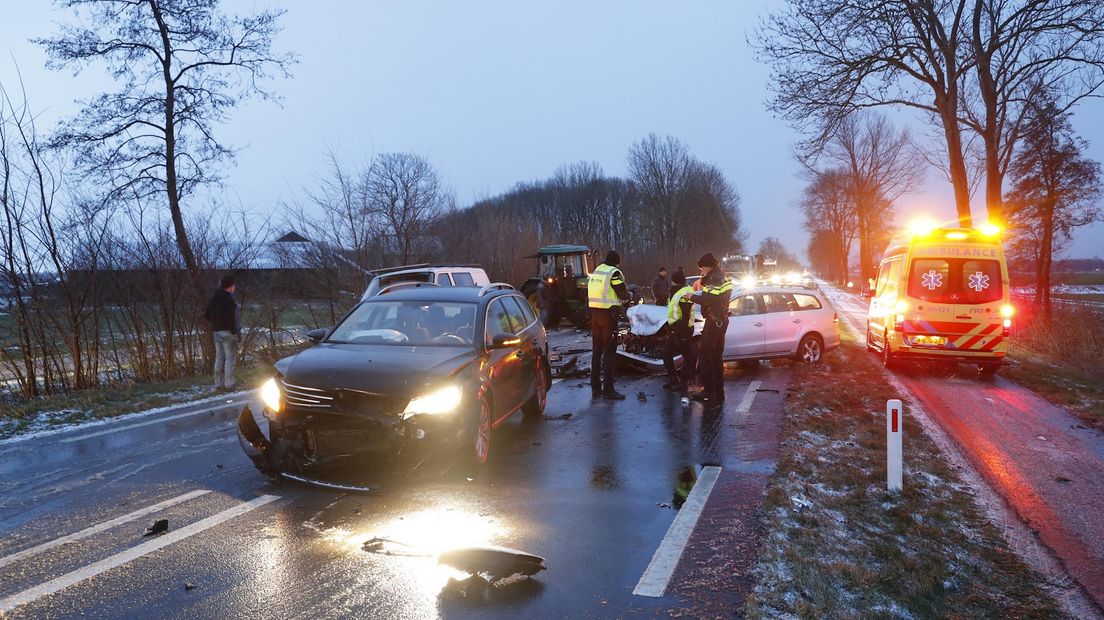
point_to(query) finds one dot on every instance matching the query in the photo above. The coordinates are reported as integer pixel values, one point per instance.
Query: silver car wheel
(810, 352)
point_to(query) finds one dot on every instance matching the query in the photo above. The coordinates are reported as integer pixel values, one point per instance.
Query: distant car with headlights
(420, 368)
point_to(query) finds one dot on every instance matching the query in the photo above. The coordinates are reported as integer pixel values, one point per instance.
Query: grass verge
(1058, 358)
(43, 413)
(838, 545)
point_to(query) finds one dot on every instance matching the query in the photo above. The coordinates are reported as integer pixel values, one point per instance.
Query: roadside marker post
(894, 445)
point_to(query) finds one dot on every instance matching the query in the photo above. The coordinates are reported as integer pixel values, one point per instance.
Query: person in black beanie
(606, 292)
(714, 299)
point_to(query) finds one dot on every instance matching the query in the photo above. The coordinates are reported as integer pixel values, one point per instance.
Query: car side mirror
(504, 341)
(318, 334)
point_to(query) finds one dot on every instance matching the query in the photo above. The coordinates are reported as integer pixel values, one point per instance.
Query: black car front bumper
(313, 447)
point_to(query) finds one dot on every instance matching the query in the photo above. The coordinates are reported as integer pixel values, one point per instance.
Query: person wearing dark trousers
(714, 298)
(660, 288)
(224, 315)
(680, 325)
(606, 292)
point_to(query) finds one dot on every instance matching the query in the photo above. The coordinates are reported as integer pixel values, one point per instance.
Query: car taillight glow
(1008, 327)
(899, 324)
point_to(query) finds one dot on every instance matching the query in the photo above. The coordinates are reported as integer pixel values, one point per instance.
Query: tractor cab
(560, 286)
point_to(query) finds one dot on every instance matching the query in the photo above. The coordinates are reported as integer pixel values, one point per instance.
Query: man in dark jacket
(714, 298)
(224, 314)
(660, 288)
(606, 292)
(680, 325)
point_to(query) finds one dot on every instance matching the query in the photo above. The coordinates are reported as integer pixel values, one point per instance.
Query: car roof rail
(494, 285)
(398, 285)
(386, 270)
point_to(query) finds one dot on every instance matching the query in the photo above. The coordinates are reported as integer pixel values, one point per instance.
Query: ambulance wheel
(870, 341)
(986, 371)
(889, 360)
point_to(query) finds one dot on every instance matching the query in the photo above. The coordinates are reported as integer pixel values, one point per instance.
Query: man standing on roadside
(224, 314)
(714, 298)
(606, 291)
(660, 288)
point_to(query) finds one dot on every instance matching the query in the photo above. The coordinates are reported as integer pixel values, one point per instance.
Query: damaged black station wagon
(404, 373)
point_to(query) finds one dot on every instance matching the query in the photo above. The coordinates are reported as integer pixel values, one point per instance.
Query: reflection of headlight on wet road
(270, 394)
(443, 400)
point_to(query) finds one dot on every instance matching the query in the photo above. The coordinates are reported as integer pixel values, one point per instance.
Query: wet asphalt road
(1045, 464)
(590, 493)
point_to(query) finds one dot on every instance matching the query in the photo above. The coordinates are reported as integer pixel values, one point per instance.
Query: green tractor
(560, 286)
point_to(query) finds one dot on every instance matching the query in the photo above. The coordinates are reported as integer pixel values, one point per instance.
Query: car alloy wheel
(483, 432)
(810, 349)
(542, 388)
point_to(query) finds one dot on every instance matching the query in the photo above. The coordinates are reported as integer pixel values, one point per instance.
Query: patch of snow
(41, 425)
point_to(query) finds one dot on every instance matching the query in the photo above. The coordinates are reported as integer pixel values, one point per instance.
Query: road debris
(642, 397)
(800, 503)
(159, 526)
(489, 564)
(189, 586)
(565, 416)
(492, 563)
(767, 390)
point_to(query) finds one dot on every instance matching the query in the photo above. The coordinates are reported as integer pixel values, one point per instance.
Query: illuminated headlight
(270, 394)
(443, 400)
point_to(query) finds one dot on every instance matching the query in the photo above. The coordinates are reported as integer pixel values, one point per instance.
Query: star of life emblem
(979, 281)
(931, 280)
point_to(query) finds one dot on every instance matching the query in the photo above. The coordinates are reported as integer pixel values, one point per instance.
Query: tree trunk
(1046, 258)
(957, 164)
(991, 136)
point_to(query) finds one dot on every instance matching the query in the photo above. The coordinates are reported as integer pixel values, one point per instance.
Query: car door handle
(758, 324)
(797, 320)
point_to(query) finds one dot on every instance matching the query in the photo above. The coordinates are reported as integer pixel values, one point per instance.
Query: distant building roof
(293, 237)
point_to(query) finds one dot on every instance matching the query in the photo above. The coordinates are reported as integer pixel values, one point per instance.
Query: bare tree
(772, 248)
(183, 65)
(1019, 47)
(833, 57)
(881, 165)
(405, 191)
(829, 208)
(686, 204)
(1056, 188)
(659, 169)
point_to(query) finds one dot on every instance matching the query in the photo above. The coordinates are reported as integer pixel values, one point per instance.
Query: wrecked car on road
(406, 374)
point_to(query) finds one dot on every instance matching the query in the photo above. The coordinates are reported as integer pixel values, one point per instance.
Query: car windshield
(408, 323)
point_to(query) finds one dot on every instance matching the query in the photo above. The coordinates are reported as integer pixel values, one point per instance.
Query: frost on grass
(838, 545)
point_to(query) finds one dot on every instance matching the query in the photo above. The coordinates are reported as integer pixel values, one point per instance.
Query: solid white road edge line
(106, 564)
(99, 527)
(149, 422)
(749, 396)
(654, 581)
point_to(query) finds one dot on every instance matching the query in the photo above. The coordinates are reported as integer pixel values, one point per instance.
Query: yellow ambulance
(942, 294)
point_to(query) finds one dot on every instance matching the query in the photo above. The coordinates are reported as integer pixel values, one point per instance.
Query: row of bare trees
(980, 71)
(92, 294)
(671, 209)
(853, 184)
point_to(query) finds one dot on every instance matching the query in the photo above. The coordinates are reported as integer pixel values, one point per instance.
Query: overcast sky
(499, 92)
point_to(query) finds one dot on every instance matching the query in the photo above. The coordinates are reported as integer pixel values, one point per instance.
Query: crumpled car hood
(384, 369)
